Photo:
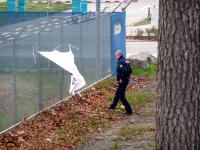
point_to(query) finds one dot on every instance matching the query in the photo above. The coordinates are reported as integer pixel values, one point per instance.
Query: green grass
(116, 146)
(152, 32)
(41, 7)
(6, 70)
(149, 71)
(75, 128)
(3, 6)
(44, 8)
(147, 114)
(110, 97)
(61, 130)
(139, 98)
(96, 123)
(70, 134)
(90, 76)
(143, 22)
(129, 133)
(136, 98)
(1, 123)
(107, 83)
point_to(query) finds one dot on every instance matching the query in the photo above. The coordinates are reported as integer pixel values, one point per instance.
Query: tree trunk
(178, 104)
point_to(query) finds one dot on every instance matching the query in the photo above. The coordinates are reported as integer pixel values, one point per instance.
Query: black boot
(129, 112)
(111, 107)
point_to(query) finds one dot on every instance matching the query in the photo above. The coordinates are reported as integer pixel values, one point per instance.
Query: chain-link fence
(29, 82)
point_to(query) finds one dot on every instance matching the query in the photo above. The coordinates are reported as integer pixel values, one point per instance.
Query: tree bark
(178, 104)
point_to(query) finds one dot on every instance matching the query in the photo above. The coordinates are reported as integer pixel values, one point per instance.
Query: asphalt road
(135, 47)
(134, 13)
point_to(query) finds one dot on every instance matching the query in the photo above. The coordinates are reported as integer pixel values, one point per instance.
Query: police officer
(123, 80)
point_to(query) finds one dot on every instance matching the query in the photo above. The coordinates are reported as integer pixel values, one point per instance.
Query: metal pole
(49, 43)
(61, 72)
(104, 9)
(40, 105)
(81, 54)
(14, 84)
(97, 38)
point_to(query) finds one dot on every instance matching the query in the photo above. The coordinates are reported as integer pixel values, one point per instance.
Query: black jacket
(121, 72)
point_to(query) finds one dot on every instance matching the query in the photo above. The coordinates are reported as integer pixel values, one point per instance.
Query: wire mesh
(29, 82)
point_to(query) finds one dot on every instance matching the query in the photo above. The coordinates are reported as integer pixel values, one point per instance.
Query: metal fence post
(49, 62)
(49, 43)
(14, 84)
(40, 105)
(97, 38)
(81, 54)
(61, 72)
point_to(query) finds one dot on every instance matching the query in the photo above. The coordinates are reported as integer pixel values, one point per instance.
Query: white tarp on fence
(66, 61)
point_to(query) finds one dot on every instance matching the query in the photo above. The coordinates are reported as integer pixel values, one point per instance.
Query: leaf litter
(67, 125)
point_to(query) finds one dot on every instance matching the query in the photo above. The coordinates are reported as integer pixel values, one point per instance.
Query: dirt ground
(86, 123)
(143, 120)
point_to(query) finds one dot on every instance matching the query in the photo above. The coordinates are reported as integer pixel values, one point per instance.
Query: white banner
(66, 61)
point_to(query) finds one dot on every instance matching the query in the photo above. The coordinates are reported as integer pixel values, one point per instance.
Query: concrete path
(135, 47)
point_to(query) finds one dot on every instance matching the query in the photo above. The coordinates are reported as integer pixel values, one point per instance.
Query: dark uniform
(123, 81)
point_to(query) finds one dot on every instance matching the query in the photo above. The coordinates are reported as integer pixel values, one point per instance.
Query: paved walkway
(136, 46)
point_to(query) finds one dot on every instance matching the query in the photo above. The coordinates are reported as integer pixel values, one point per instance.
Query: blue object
(21, 8)
(79, 6)
(76, 6)
(118, 37)
(84, 6)
(21, 5)
(11, 5)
